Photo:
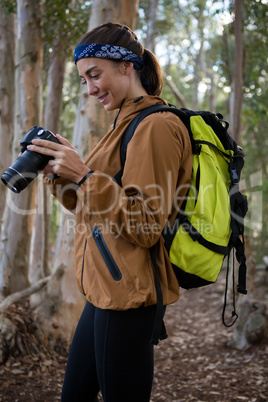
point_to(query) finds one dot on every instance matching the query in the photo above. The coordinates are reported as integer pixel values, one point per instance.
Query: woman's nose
(92, 89)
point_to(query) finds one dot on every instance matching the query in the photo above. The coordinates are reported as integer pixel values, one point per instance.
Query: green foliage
(66, 20)
(255, 117)
(254, 113)
(166, 17)
(8, 6)
(186, 32)
(255, 37)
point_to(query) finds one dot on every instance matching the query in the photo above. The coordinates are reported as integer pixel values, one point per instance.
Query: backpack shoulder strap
(159, 331)
(136, 121)
(128, 134)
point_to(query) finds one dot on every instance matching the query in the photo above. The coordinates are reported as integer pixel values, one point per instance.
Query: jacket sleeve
(159, 151)
(64, 190)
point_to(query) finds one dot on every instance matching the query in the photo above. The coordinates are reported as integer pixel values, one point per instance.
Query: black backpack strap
(239, 207)
(128, 134)
(238, 211)
(234, 316)
(136, 121)
(159, 331)
(196, 236)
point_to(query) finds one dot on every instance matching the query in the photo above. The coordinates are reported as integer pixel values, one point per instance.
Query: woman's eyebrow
(88, 71)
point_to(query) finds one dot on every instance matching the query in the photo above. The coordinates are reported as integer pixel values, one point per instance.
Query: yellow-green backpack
(210, 222)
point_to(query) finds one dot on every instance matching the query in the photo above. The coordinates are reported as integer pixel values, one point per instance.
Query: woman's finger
(47, 144)
(64, 141)
(42, 150)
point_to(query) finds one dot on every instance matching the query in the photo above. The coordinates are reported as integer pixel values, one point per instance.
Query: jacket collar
(131, 107)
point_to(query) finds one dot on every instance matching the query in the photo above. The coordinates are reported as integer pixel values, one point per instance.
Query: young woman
(116, 225)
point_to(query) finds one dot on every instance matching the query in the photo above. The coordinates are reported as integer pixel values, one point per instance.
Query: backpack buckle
(197, 149)
(234, 176)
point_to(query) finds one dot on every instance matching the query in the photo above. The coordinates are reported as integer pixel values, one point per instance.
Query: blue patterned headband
(107, 52)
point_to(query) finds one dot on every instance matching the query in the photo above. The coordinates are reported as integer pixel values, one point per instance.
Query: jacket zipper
(82, 272)
(106, 255)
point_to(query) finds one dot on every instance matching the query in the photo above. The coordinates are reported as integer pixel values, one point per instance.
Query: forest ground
(195, 363)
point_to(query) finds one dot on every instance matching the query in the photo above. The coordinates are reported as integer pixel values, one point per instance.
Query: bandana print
(107, 52)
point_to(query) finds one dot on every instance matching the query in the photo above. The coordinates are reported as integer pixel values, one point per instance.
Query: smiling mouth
(102, 98)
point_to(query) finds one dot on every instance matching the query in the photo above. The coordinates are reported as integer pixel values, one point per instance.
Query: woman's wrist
(89, 173)
(82, 175)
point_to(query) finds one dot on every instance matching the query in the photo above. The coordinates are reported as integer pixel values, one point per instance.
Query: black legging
(111, 352)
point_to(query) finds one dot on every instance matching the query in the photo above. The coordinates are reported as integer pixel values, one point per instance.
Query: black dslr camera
(28, 165)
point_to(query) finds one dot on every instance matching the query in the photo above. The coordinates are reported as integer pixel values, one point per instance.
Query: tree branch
(179, 97)
(15, 297)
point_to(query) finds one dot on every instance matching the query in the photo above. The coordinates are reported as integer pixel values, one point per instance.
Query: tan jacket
(116, 226)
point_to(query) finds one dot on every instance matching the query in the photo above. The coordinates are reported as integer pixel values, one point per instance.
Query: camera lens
(28, 165)
(24, 170)
(14, 180)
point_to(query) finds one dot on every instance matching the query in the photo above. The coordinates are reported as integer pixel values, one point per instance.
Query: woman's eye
(83, 82)
(95, 77)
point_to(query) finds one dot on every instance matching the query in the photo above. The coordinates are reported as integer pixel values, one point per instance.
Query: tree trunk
(236, 94)
(252, 323)
(54, 87)
(151, 21)
(40, 252)
(58, 315)
(7, 96)
(40, 264)
(200, 55)
(19, 210)
(212, 94)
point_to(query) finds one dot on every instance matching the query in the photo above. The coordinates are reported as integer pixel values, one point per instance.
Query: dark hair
(121, 35)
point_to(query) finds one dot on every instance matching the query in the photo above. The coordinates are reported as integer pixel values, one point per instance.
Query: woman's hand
(66, 163)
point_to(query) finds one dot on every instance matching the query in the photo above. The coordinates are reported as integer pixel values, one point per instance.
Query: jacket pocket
(106, 254)
(82, 271)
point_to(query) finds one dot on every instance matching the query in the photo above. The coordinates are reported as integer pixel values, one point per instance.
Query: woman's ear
(127, 67)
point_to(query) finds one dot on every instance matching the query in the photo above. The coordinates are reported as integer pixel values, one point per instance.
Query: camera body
(29, 164)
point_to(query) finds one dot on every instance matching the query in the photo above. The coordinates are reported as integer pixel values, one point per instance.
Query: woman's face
(108, 81)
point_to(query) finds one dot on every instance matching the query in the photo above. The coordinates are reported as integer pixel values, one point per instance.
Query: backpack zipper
(82, 272)
(197, 184)
(106, 255)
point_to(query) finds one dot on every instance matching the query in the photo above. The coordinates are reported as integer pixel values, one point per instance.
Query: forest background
(214, 57)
